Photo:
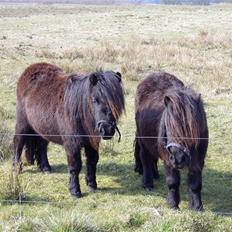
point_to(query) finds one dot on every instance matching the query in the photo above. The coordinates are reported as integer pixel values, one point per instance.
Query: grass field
(194, 43)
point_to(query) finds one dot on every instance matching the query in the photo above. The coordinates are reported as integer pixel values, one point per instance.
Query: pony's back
(35, 73)
(153, 87)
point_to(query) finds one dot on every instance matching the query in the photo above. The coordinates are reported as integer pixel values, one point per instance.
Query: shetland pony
(53, 106)
(171, 125)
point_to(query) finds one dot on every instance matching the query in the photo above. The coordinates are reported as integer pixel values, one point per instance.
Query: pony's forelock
(181, 117)
(111, 89)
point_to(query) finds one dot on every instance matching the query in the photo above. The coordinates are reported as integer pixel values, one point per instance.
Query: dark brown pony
(65, 109)
(170, 120)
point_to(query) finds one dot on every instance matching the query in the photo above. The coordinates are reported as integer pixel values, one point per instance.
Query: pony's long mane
(78, 103)
(182, 117)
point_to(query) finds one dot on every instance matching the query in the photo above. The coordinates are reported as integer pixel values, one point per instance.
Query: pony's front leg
(173, 182)
(194, 188)
(92, 157)
(74, 167)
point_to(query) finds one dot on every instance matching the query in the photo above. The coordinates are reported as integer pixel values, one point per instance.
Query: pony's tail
(31, 148)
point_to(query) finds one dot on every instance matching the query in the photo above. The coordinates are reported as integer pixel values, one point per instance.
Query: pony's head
(107, 101)
(180, 126)
(94, 103)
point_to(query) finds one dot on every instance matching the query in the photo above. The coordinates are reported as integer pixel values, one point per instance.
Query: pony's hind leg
(36, 149)
(19, 142)
(30, 150)
(92, 157)
(194, 188)
(41, 154)
(138, 164)
(148, 165)
(173, 182)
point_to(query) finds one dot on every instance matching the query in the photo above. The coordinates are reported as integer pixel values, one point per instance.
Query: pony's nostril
(172, 158)
(102, 130)
(182, 159)
(99, 125)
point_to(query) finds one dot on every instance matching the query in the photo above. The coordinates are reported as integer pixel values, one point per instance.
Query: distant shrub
(185, 2)
(171, 2)
(195, 2)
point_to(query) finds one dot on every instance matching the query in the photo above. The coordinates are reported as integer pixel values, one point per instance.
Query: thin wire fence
(99, 136)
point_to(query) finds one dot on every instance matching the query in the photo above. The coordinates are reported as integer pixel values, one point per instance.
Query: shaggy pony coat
(171, 125)
(65, 109)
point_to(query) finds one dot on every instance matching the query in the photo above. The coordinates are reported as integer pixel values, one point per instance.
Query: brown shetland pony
(170, 119)
(53, 106)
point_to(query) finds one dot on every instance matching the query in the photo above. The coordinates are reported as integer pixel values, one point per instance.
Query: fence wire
(99, 136)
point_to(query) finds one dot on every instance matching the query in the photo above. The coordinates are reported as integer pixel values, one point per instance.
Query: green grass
(191, 42)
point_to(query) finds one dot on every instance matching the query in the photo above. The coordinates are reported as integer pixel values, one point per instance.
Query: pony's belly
(54, 139)
(45, 125)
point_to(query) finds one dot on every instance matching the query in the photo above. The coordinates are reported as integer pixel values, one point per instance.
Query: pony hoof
(199, 208)
(76, 195)
(148, 189)
(157, 177)
(92, 189)
(138, 170)
(46, 170)
(175, 208)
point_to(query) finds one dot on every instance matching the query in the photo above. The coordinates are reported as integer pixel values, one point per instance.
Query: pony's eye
(96, 100)
(104, 111)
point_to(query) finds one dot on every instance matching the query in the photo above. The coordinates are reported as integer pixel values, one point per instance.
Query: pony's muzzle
(179, 156)
(106, 130)
(177, 162)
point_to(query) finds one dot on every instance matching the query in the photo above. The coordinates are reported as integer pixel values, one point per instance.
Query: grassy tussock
(75, 221)
(5, 142)
(63, 221)
(14, 187)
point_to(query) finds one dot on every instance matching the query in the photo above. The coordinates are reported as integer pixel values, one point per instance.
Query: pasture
(193, 43)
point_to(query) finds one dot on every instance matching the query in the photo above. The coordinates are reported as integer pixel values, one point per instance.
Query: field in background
(193, 43)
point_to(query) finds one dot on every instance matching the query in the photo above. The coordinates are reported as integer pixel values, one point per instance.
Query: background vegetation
(191, 42)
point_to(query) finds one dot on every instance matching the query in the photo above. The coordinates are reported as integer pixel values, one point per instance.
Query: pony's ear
(93, 78)
(199, 100)
(72, 78)
(119, 75)
(167, 100)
